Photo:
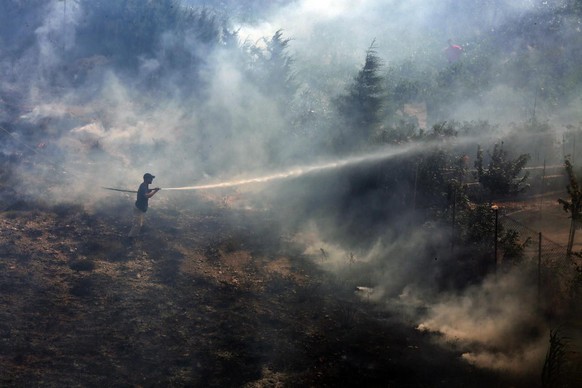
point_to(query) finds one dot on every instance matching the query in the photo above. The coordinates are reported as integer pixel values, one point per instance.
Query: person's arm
(151, 192)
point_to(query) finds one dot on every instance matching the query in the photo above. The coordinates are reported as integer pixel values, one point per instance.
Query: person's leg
(138, 217)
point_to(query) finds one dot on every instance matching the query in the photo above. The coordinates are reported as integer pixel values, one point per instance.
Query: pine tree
(361, 107)
(272, 69)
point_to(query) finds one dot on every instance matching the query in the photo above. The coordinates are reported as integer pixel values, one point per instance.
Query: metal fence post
(496, 209)
(454, 220)
(539, 268)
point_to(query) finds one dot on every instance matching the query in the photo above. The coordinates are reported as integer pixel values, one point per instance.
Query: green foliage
(436, 180)
(512, 246)
(463, 79)
(401, 132)
(271, 68)
(475, 128)
(438, 168)
(533, 53)
(440, 130)
(553, 370)
(475, 229)
(574, 204)
(405, 84)
(126, 30)
(501, 175)
(475, 223)
(361, 108)
(571, 140)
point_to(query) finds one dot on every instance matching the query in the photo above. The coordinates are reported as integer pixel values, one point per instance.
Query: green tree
(574, 204)
(501, 177)
(360, 109)
(127, 30)
(512, 246)
(272, 68)
(439, 172)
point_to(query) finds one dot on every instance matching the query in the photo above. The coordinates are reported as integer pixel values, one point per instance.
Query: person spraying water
(144, 193)
(371, 157)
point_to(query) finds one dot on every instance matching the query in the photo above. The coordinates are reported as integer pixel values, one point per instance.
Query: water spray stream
(383, 154)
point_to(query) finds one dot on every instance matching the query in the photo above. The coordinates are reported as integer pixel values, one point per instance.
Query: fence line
(556, 270)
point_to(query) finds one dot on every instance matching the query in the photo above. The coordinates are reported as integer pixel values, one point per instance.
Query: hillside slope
(213, 297)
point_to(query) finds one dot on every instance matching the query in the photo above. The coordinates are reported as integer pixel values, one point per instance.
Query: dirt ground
(214, 297)
(545, 215)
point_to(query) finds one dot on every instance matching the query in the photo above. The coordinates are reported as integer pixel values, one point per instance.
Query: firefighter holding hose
(144, 193)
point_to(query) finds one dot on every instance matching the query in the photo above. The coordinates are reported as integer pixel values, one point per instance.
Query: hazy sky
(400, 27)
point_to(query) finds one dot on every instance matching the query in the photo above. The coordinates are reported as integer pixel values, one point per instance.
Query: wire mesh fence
(559, 278)
(558, 274)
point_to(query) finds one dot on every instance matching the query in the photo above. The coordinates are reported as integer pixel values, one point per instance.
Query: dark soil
(213, 298)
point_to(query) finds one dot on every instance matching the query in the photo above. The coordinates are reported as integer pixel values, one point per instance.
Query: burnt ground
(213, 297)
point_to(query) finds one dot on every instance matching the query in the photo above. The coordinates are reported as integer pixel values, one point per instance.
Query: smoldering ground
(495, 323)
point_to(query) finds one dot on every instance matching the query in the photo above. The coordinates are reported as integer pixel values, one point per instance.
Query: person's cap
(147, 175)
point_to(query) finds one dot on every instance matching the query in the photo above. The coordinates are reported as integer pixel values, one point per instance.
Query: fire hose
(123, 191)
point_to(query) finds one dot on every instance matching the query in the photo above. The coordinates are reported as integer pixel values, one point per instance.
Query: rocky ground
(213, 297)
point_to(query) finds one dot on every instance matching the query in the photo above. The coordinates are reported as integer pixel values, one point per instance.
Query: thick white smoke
(496, 324)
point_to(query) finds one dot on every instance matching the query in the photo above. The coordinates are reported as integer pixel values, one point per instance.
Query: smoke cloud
(197, 106)
(497, 321)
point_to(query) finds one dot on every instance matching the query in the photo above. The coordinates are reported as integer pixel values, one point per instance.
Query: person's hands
(157, 189)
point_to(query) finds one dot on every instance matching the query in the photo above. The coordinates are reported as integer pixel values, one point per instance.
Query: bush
(501, 175)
